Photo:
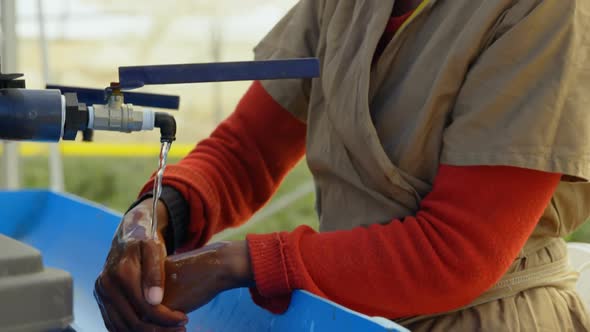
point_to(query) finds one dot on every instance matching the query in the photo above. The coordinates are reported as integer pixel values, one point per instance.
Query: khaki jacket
(463, 82)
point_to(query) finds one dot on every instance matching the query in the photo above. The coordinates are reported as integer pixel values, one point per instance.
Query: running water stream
(158, 185)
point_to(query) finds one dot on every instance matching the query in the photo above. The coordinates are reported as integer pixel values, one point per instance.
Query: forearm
(466, 234)
(234, 172)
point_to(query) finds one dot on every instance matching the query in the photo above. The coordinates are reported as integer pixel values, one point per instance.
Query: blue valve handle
(97, 96)
(138, 76)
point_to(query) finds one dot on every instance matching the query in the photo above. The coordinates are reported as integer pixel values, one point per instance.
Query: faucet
(49, 116)
(60, 112)
(167, 125)
(115, 115)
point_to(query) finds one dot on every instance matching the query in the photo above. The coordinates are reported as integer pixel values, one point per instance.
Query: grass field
(115, 182)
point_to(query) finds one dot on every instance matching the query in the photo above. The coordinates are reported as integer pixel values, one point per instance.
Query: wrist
(162, 213)
(136, 223)
(236, 257)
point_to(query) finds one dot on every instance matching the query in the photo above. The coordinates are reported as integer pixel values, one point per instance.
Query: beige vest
(463, 82)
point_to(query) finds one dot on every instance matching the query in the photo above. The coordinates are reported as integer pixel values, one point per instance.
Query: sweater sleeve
(468, 231)
(234, 172)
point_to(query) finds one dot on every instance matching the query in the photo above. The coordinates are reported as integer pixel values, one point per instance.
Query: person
(448, 142)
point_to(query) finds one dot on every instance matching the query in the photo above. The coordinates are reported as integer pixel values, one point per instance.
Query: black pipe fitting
(167, 125)
(76, 117)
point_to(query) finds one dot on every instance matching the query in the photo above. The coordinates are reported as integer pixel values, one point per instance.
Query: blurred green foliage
(115, 182)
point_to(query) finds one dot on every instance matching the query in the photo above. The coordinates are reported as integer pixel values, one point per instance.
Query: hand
(129, 290)
(196, 277)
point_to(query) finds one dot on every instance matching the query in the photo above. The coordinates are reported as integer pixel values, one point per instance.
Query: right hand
(130, 288)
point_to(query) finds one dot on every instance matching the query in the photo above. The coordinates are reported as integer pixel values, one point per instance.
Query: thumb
(152, 271)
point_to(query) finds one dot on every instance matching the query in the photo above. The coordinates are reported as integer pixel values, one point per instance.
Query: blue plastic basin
(75, 235)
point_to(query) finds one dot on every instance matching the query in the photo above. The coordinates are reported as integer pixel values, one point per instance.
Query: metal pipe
(10, 157)
(56, 172)
(119, 117)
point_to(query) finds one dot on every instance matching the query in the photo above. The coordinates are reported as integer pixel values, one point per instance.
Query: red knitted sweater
(464, 237)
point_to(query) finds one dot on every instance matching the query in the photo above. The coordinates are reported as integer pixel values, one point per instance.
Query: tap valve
(122, 118)
(111, 109)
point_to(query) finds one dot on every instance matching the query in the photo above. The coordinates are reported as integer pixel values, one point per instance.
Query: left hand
(196, 277)
(129, 289)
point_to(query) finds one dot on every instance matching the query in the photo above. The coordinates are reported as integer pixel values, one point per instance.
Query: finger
(108, 310)
(105, 318)
(129, 279)
(124, 318)
(117, 323)
(127, 320)
(152, 271)
(103, 312)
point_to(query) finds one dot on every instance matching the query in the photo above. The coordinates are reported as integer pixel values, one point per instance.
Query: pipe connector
(122, 118)
(167, 125)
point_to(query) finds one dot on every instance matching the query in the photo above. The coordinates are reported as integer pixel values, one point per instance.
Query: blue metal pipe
(32, 115)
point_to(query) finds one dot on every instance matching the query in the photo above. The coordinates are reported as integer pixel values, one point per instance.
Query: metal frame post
(9, 50)
(56, 172)
(216, 49)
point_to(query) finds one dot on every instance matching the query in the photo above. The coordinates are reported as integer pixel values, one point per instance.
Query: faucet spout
(167, 125)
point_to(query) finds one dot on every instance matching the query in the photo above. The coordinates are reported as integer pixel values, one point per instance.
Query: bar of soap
(32, 298)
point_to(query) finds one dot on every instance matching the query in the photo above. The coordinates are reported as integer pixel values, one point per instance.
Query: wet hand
(129, 290)
(196, 277)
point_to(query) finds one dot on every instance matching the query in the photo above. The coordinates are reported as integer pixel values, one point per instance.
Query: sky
(103, 20)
